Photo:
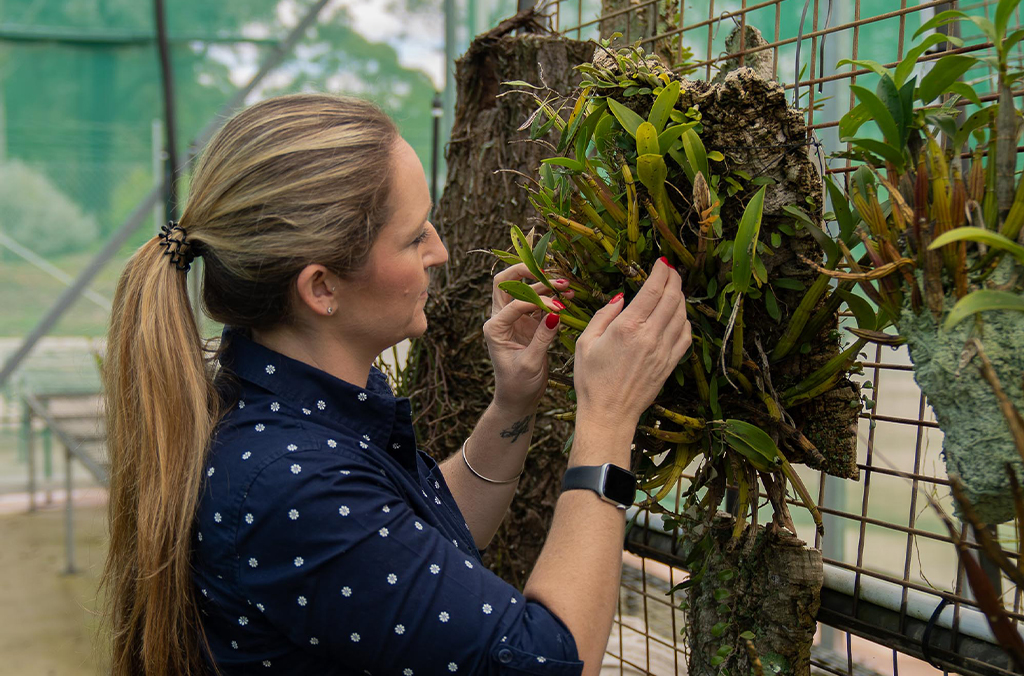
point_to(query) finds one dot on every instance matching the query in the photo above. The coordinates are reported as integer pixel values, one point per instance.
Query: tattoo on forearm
(518, 428)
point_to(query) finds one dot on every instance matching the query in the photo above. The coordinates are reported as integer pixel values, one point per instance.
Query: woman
(274, 515)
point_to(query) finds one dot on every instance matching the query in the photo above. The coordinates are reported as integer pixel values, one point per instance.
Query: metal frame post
(47, 436)
(69, 515)
(30, 452)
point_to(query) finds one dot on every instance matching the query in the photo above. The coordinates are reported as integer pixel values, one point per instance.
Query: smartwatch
(612, 483)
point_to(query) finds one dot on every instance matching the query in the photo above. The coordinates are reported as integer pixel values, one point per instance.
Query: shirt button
(504, 655)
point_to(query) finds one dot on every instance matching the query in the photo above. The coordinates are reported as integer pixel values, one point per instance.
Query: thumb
(604, 317)
(545, 334)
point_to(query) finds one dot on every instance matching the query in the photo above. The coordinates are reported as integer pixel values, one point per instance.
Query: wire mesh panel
(895, 595)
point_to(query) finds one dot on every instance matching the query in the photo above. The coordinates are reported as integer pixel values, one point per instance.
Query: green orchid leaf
(1011, 40)
(772, 305)
(629, 120)
(520, 83)
(977, 120)
(983, 301)
(540, 128)
(987, 27)
(652, 172)
(680, 158)
(760, 275)
(941, 19)
(799, 214)
(889, 94)
(746, 241)
(647, 140)
(989, 237)
(715, 156)
(523, 291)
(505, 256)
(695, 153)
(1004, 10)
(716, 407)
(752, 437)
(861, 309)
(668, 138)
(586, 130)
(567, 162)
(879, 112)
(525, 251)
(665, 102)
(873, 66)
(852, 121)
(841, 208)
(883, 150)
(603, 134)
(906, 66)
(787, 283)
(945, 72)
(541, 249)
(966, 91)
(825, 241)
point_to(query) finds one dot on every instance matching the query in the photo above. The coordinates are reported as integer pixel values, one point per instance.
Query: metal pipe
(436, 113)
(30, 449)
(170, 128)
(49, 268)
(69, 514)
(47, 437)
(139, 214)
(69, 443)
(73, 36)
(651, 541)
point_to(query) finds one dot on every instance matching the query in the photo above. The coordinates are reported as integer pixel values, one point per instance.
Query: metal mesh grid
(879, 529)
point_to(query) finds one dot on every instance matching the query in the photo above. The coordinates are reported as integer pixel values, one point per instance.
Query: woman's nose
(439, 251)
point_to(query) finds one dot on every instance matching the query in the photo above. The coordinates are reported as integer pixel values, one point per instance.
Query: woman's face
(386, 298)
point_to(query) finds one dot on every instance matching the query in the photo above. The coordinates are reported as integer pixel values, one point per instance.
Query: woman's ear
(315, 290)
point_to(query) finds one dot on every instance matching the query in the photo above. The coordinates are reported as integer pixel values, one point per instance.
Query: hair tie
(174, 239)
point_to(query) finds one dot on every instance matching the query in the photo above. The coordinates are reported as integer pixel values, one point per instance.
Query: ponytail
(287, 182)
(161, 410)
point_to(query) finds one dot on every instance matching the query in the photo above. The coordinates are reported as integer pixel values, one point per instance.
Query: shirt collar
(371, 410)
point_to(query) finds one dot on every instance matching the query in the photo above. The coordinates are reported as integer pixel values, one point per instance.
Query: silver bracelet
(481, 476)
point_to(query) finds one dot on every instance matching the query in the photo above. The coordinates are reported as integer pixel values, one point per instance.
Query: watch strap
(594, 478)
(584, 476)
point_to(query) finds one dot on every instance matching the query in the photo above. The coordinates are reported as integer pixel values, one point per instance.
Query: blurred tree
(79, 82)
(38, 215)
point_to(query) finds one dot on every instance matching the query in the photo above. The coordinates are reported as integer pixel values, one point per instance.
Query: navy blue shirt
(326, 543)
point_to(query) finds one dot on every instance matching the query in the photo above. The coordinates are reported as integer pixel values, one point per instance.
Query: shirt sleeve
(343, 566)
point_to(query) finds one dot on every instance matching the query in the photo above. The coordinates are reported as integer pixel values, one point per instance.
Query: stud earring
(329, 310)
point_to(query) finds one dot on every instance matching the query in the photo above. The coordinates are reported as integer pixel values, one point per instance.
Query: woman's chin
(418, 326)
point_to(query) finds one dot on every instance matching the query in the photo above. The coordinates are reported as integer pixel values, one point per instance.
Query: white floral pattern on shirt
(371, 505)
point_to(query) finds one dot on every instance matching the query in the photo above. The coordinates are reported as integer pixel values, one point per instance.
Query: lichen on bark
(977, 444)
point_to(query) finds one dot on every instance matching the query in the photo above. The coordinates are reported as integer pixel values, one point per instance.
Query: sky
(417, 38)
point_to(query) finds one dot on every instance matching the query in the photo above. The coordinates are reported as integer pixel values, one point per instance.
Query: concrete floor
(48, 619)
(49, 623)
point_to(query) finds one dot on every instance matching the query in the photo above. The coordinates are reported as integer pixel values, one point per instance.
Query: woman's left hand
(518, 336)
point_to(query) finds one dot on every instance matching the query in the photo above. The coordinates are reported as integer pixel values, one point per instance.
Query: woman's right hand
(625, 355)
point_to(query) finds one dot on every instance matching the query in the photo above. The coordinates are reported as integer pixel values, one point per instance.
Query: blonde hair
(290, 181)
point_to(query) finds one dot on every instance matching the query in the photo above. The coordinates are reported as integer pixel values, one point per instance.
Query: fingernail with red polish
(551, 321)
(616, 298)
(664, 260)
(561, 281)
(558, 304)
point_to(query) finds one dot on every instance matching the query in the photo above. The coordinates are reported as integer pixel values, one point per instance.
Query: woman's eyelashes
(422, 237)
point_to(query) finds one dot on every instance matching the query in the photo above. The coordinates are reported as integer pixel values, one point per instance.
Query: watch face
(620, 485)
